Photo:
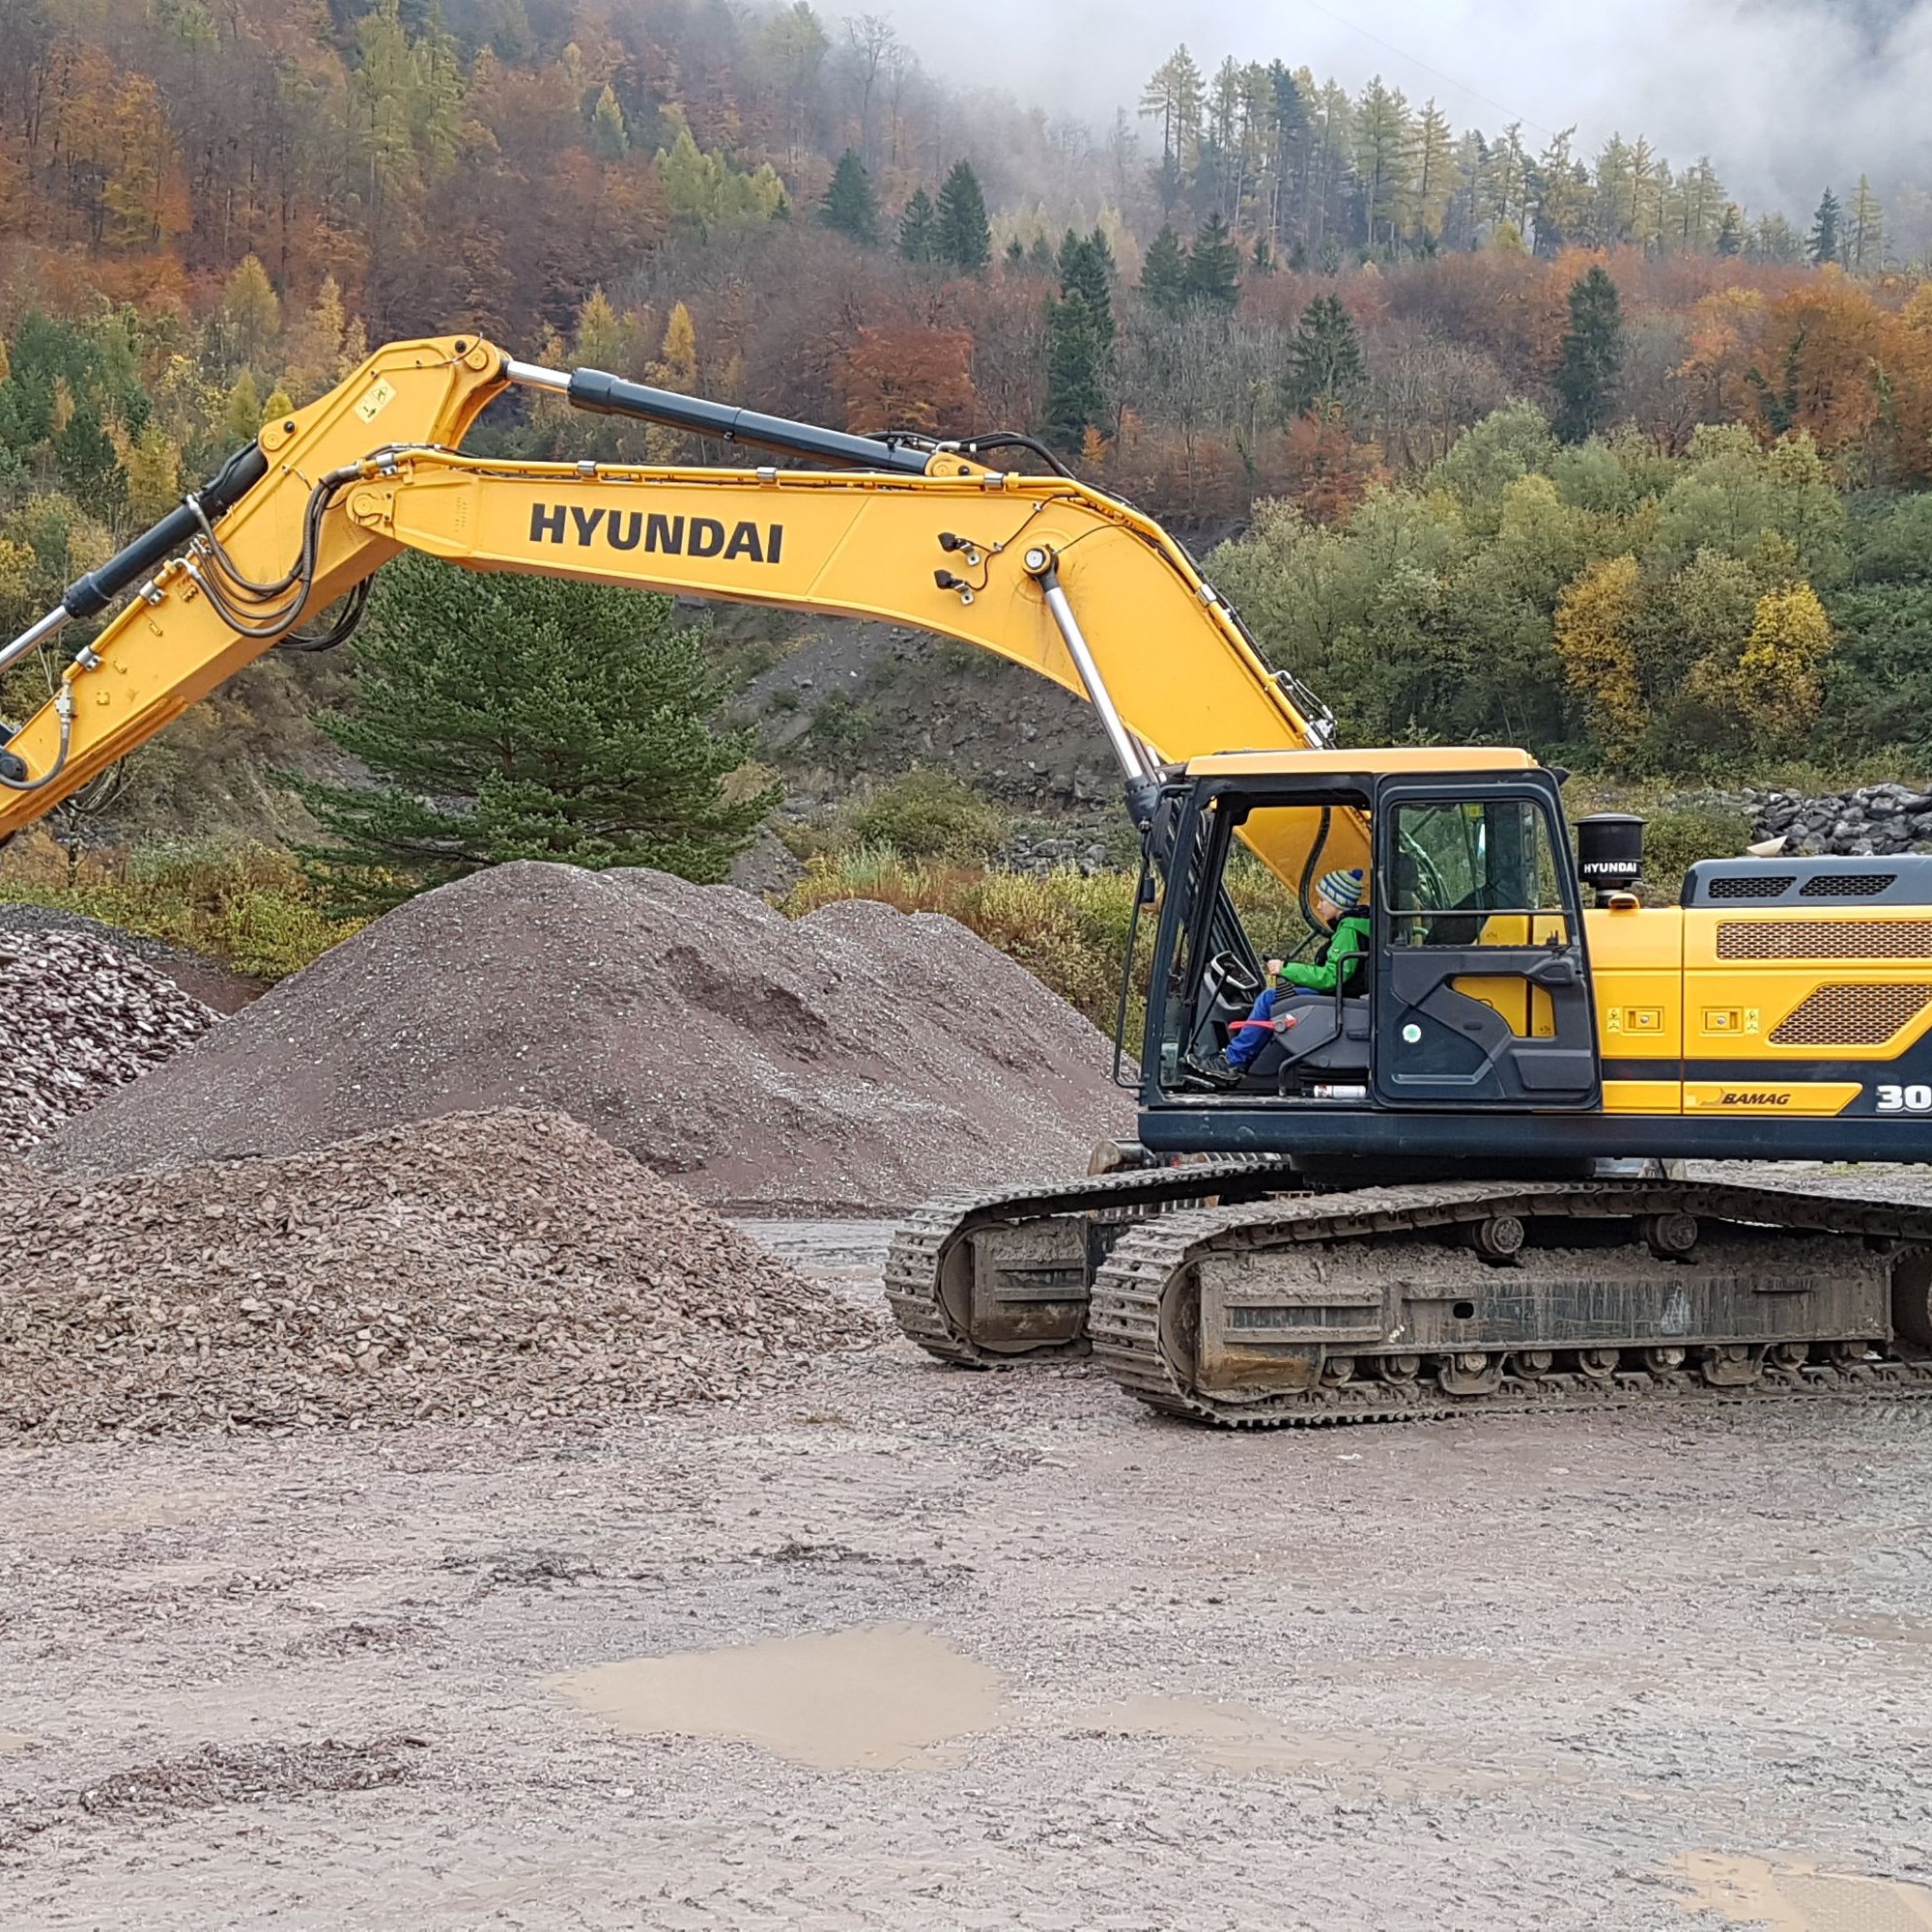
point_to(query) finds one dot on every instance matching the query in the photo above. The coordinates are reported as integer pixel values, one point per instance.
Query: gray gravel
(78, 1017)
(20, 915)
(1570, 1674)
(854, 1060)
(506, 1265)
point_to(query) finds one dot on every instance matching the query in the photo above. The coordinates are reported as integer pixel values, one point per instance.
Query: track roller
(1372, 1304)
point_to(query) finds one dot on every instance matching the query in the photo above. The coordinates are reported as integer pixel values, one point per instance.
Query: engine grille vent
(1765, 886)
(1848, 885)
(1851, 1015)
(1825, 939)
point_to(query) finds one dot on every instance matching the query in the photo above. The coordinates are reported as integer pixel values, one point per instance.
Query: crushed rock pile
(1878, 818)
(77, 1018)
(506, 1265)
(853, 1060)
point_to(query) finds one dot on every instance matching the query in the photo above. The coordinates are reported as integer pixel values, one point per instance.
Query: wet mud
(895, 1647)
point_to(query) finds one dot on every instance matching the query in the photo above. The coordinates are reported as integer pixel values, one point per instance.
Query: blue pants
(1246, 1042)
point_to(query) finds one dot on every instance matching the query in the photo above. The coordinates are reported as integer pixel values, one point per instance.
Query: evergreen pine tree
(1214, 264)
(1085, 262)
(850, 208)
(521, 718)
(90, 466)
(1731, 230)
(1261, 258)
(1080, 340)
(1824, 243)
(1164, 281)
(1593, 353)
(964, 238)
(919, 229)
(1040, 255)
(1016, 254)
(1324, 357)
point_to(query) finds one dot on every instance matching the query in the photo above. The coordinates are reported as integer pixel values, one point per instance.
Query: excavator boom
(1038, 569)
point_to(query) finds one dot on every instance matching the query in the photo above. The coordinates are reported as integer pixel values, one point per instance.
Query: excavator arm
(1039, 569)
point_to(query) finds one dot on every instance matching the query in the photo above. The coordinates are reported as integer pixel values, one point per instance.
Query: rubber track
(919, 1245)
(1124, 1317)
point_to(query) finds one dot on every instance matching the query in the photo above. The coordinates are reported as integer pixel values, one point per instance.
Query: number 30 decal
(1905, 1100)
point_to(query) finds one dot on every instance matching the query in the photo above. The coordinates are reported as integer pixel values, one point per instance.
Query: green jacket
(1343, 957)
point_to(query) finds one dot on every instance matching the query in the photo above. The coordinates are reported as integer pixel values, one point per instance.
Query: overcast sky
(1783, 95)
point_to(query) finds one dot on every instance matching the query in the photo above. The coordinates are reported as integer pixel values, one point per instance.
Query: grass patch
(245, 904)
(1680, 827)
(928, 813)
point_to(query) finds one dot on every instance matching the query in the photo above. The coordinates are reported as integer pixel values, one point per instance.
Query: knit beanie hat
(1342, 888)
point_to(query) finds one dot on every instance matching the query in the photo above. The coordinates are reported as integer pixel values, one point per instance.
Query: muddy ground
(1002, 1651)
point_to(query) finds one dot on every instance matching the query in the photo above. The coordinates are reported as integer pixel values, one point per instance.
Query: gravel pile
(77, 1018)
(854, 1060)
(208, 979)
(1881, 818)
(506, 1265)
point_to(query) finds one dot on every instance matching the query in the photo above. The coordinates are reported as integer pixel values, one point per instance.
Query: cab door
(1482, 980)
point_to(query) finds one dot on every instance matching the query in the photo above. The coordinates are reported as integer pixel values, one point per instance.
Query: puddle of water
(1799, 1898)
(875, 1699)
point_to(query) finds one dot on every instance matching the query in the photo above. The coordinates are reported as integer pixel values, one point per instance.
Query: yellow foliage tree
(1916, 314)
(16, 586)
(607, 340)
(144, 192)
(1593, 624)
(252, 308)
(241, 413)
(1777, 679)
(6, 366)
(312, 353)
(153, 464)
(677, 367)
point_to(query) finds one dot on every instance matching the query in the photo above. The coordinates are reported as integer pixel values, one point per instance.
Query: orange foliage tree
(908, 376)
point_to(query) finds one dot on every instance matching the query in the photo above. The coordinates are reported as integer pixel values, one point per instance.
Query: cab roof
(1400, 760)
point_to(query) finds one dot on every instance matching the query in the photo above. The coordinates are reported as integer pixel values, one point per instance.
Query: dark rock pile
(1044, 855)
(1874, 819)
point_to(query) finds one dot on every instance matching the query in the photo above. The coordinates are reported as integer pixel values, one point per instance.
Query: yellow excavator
(1449, 1182)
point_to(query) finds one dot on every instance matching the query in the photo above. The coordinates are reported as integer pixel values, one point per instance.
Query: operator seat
(1329, 1036)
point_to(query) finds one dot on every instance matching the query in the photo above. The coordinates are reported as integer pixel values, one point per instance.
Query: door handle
(1560, 970)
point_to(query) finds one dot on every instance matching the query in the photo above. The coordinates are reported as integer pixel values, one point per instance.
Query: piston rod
(1043, 565)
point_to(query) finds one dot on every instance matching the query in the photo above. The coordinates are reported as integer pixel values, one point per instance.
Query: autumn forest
(1491, 439)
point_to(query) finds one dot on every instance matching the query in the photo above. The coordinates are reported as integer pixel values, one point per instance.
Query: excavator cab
(1476, 993)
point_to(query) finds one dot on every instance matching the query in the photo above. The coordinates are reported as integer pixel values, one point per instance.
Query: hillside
(1262, 287)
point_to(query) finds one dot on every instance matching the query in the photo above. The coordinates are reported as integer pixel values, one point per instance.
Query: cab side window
(1474, 872)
